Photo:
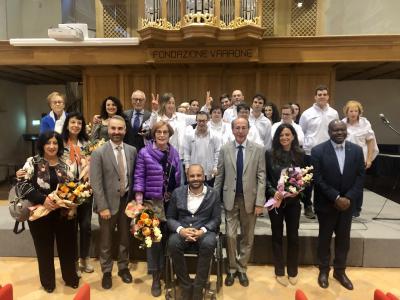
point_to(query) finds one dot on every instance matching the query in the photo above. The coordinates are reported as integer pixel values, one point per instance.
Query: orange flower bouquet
(146, 228)
(67, 195)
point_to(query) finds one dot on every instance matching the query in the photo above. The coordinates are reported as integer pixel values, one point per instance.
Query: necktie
(121, 171)
(136, 122)
(239, 170)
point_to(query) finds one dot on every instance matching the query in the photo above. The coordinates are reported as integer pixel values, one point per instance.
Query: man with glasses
(287, 113)
(135, 118)
(202, 147)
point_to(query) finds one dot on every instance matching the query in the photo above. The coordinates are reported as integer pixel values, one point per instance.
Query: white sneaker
(85, 266)
(293, 280)
(282, 280)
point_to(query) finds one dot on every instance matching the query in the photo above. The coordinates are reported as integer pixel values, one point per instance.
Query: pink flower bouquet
(292, 182)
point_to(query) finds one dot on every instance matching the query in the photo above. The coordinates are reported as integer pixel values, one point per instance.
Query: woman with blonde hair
(55, 119)
(359, 131)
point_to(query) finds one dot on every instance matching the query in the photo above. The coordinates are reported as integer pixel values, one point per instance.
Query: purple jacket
(148, 177)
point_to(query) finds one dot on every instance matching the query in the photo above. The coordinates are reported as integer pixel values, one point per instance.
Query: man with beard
(338, 178)
(194, 216)
(111, 169)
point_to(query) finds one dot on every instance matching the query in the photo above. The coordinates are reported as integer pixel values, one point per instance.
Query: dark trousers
(306, 199)
(155, 254)
(84, 218)
(358, 204)
(340, 224)
(289, 212)
(44, 231)
(206, 245)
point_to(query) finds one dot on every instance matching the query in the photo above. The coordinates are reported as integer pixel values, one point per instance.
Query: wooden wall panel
(279, 83)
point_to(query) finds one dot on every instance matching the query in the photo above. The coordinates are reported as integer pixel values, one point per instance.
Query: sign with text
(203, 55)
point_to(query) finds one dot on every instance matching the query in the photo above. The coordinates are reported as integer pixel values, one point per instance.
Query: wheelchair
(216, 265)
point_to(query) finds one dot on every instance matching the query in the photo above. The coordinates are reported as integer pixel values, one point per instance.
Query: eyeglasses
(57, 102)
(137, 99)
(162, 132)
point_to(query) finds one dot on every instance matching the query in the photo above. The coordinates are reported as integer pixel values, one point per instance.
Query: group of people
(183, 166)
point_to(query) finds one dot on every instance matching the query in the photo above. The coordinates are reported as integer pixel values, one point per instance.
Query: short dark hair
(287, 106)
(202, 113)
(215, 107)
(45, 137)
(82, 135)
(191, 101)
(321, 87)
(117, 102)
(242, 105)
(260, 97)
(223, 96)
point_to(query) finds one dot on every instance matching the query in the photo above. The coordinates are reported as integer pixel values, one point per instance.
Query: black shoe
(156, 285)
(323, 280)
(72, 285)
(230, 279)
(49, 289)
(125, 275)
(308, 212)
(106, 282)
(343, 280)
(243, 280)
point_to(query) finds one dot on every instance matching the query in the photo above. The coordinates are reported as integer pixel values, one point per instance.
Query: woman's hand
(139, 197)
(50, 204)
(368, 164)
(154, 102)
(278, 196)
(21, 173)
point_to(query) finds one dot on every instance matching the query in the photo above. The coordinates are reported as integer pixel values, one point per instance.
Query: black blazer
(133, 138)
(208, 214)
(329, 182)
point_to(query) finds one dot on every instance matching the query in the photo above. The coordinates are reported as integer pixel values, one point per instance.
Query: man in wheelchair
(193, 217)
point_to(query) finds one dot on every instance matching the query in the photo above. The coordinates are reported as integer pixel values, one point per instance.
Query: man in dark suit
(241, 181)
(135, 133)
(338, 177)
(111, 168)
(194, 216)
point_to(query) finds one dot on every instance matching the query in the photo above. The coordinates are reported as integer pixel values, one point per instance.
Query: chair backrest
(6, 292)
(379, 295)
(300, 295)
(83, 293)
(390, 296)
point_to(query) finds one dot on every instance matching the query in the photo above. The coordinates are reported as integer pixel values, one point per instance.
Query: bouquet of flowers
(91, 146)
(145, 224)
(67, 195)
(292, 182)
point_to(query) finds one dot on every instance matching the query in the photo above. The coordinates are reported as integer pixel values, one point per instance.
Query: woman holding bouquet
(75, 141)
(44, 172)
(285, 153)
(157, 174)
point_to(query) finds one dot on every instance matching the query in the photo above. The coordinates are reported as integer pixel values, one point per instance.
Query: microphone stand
(387, 123)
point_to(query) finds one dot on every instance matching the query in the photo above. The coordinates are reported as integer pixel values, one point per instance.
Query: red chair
(83, 293)
(390, 296)
(379, 295)
(300, 295)
(6, 292)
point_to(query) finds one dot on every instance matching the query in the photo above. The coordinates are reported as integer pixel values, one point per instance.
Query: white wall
(3, 20)
(14, 19)
(36, 103)
(376, 96)
(356, 17)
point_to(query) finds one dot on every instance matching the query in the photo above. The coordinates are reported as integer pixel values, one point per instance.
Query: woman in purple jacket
(157, 174)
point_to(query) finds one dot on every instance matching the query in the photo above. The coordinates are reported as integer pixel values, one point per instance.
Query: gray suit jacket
(253, 176)
(104, 177)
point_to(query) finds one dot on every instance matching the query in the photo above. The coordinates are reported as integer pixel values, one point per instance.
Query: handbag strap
(16, 230)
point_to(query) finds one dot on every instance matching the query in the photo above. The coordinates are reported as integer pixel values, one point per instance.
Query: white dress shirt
(222, 130)
(230, 114)
(314, 121)
(263, 126)
(340, 154)
(59, 123)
